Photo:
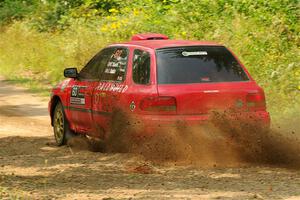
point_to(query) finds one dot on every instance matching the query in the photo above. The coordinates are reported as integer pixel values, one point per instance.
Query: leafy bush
(15, 9)
(264, 34)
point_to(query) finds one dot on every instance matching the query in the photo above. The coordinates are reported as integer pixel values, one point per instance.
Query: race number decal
(74, 92)
(77, 97)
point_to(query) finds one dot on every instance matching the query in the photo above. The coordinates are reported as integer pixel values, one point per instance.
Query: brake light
(158, 104)
(256, 100)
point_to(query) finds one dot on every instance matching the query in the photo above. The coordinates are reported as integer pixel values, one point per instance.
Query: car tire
(61, 128)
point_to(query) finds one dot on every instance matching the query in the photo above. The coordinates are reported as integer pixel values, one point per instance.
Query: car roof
(158, 44)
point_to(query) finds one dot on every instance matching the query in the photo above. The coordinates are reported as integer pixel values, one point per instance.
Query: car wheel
(61, 129)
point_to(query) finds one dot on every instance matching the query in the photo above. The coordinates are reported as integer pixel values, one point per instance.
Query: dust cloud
(219, 143)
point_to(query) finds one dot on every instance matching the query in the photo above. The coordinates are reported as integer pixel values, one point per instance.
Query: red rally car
(156, 82)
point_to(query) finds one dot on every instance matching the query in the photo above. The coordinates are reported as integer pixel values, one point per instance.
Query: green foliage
(53, 34)
(15, 9)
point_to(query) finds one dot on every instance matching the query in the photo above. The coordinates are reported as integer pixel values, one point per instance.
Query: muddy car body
(154, 82)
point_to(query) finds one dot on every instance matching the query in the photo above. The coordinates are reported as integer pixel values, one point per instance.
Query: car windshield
(197, 64)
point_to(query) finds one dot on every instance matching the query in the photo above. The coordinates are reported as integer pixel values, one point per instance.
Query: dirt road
(32, 167)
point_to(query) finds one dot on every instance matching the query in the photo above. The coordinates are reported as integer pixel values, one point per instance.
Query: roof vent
(149, 36)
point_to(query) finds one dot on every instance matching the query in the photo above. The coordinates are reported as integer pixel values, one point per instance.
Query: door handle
(98, 96)
(102, 94)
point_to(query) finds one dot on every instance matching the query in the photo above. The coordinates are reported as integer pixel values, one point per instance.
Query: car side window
(115, 68)
(141, 67)
(96, 65)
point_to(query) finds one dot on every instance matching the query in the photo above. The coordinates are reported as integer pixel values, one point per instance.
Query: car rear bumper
(149, 124)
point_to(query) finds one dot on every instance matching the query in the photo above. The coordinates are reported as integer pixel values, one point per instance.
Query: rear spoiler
(149, 36)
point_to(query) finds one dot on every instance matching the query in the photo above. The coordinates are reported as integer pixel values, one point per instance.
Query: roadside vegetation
(39, 38)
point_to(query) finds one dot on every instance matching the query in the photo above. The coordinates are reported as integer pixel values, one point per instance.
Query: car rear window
(197, 64)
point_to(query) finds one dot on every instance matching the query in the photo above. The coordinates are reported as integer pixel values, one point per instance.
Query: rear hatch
(206, 78)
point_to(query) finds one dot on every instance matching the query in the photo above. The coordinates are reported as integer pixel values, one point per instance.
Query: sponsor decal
(112, 64)
(119, 78)
(132, 106)
(64, 85)
(112, 87)
(211, 91)
(77, 100)
(110, 71)
(194, 53)
(205, 79)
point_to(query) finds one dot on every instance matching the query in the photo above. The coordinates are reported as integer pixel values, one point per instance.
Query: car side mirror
(71, 73)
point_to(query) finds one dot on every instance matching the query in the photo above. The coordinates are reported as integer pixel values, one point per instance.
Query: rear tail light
(256, 100)
(159, 104)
